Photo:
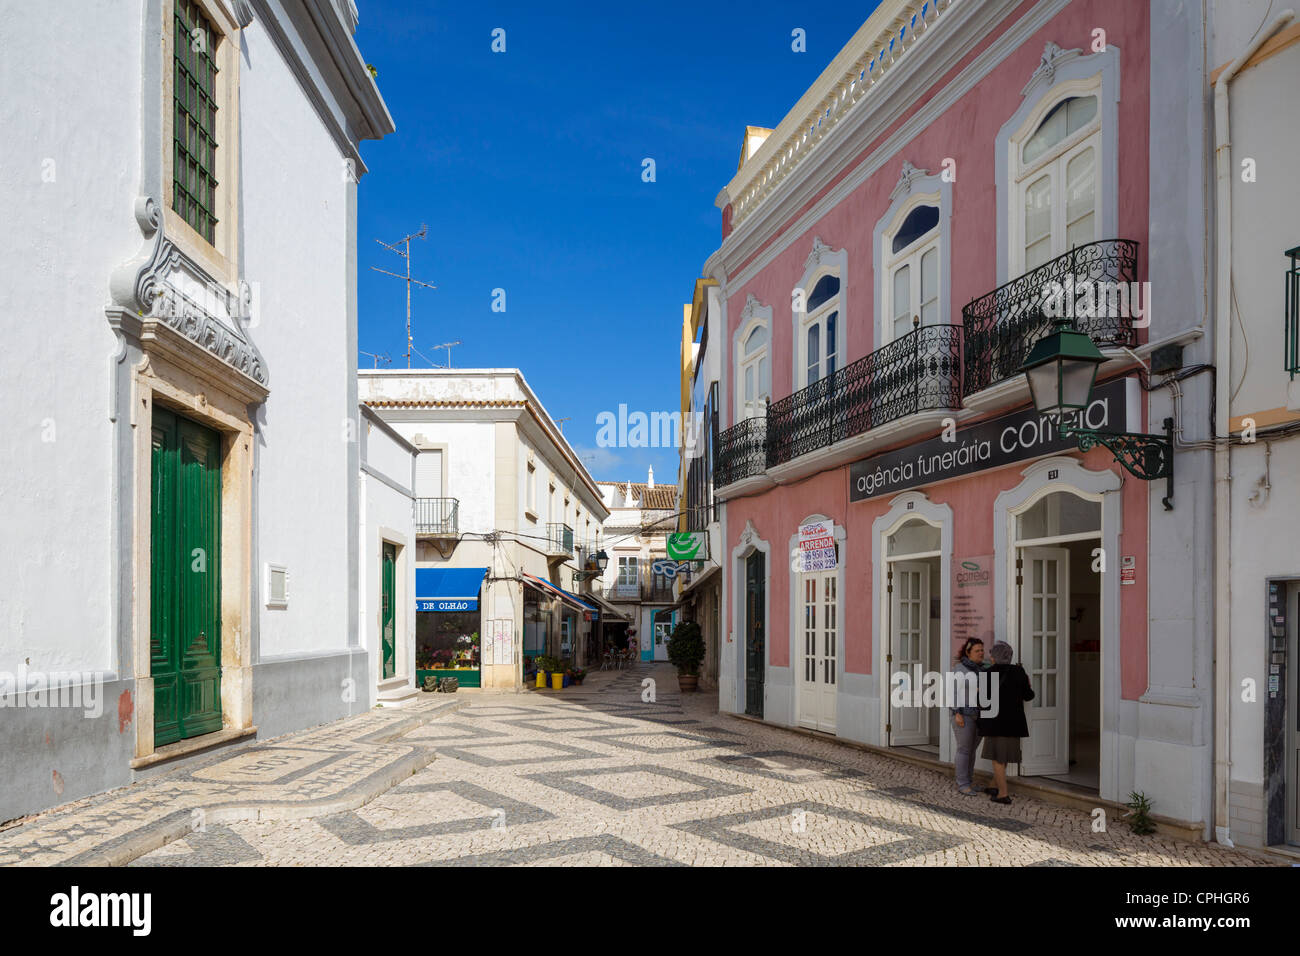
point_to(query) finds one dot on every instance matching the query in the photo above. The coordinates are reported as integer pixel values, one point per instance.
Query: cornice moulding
(968, 23)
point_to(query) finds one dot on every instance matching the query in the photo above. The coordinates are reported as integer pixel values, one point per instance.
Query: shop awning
(610, 612)
(560, 593)
(448, 589)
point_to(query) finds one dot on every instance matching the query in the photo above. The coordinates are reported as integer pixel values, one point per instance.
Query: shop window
(447, 640)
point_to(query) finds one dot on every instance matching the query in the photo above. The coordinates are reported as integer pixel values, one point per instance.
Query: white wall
(64, 112)
(293, 174)
(387, 515)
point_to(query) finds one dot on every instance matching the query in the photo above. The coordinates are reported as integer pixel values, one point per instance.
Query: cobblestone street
(593, 775)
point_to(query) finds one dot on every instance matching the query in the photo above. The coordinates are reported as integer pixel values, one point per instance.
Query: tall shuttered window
(194, 121)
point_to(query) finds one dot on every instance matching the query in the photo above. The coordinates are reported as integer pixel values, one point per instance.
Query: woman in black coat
(1002, 732)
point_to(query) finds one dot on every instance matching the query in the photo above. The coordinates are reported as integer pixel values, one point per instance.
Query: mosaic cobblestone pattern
(596, 776)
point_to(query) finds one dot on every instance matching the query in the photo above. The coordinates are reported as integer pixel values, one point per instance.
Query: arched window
(912, 267)
(819, 332)
(1057, 181)
(754, 373)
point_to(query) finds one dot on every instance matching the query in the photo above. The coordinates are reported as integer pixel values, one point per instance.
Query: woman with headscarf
(1002, 731)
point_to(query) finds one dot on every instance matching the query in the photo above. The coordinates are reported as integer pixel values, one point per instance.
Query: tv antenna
(447, 346)
(378, 357)
(405, 253)
(560, 422)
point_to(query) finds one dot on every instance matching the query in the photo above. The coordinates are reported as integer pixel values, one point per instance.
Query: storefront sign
(992, 444)
(688, 546)
(446, 605)
(816, 547)
(972, 599)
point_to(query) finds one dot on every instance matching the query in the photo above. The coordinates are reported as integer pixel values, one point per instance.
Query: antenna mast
(405, 253)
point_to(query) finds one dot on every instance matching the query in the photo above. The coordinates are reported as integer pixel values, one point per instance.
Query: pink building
(885, 255)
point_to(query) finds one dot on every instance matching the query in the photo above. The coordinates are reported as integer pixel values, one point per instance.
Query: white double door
(817, 636)
(909, 645)
(1045, 655)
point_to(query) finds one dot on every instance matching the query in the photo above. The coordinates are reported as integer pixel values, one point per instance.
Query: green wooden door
(185, 616)
(389, 611)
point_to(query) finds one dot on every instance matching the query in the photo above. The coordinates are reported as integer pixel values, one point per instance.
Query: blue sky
(527, 167)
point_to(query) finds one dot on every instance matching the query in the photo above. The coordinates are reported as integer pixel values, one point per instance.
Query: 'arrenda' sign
(991, 444)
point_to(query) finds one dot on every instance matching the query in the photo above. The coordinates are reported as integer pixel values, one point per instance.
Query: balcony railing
(1003, 325)
(919, 372)
(936, 366)
(559, 538)
(741, 452)
(660, 591)
(625, 591)
(437, 517)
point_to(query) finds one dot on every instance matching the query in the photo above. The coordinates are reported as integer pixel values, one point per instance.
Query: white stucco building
(185, 410)
(1255, 61)
(505, 514)
(386, 567)
(641, 515)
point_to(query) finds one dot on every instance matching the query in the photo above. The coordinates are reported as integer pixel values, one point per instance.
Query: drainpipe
(1222, 461)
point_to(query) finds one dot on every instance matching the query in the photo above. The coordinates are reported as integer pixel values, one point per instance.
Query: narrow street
(595, 775)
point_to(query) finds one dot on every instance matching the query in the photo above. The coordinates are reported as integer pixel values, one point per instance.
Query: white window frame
(818, 319)
(1060, 73)
(822, 261)
(1054, 163)
(754, 316)
(911, 258)
(916, 187)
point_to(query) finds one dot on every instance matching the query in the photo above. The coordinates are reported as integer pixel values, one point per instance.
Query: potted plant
(547, 671)
(578, 673)
(685, 652)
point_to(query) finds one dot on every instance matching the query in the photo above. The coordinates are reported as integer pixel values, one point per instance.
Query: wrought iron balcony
(919, 372)
(437, 517)
(1003, 325)
(741, 452)
(559, 538)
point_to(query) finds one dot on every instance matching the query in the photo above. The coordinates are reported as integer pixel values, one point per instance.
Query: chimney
(650, 481)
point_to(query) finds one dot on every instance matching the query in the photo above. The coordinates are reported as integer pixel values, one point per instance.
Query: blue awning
(562, 594)
(448, 589)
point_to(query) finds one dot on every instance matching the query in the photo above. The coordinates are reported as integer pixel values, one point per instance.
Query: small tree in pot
(685, 652)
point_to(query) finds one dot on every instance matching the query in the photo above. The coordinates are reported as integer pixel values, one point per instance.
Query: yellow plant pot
(541, 678)
(557, 681)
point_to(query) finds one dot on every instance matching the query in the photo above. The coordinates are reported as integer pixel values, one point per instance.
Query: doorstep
(192, 745)
(1059, 794)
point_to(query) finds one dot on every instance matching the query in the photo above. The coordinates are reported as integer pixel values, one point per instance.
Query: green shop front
(448, 624)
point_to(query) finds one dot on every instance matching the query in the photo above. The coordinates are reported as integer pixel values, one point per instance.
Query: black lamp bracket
(1149, 457)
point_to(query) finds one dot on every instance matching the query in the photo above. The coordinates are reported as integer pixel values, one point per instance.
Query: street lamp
(1060, 370)
(595, 564)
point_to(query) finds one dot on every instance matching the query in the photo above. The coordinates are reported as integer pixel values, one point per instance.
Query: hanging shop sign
(816, 546)
(688, 545)
(991, 444)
